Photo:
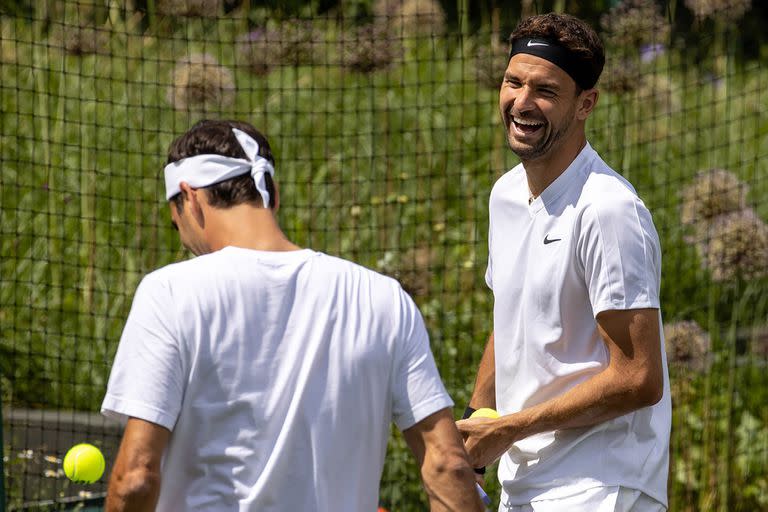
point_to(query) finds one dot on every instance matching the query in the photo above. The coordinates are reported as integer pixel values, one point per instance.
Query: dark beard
(544, 145)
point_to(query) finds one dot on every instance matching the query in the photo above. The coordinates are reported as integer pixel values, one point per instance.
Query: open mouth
(526, 126)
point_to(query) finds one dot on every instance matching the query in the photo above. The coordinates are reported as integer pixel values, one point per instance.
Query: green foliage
(390, 168)
(719, 441)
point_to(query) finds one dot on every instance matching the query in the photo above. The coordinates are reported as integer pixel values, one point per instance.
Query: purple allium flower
(649, 52)
(255, 35)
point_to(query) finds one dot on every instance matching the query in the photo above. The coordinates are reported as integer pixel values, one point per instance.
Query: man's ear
(587, 103)
(194, 197)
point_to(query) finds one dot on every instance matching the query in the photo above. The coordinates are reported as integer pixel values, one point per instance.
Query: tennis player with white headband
(575, 362)
(264, 376)
(204, 170)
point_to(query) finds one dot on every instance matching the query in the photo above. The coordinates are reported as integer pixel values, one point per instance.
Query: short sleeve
(417, 389)
(146, 381)
(620, 255)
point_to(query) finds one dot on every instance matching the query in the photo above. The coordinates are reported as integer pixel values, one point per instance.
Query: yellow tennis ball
(84, 463)
(485, 412)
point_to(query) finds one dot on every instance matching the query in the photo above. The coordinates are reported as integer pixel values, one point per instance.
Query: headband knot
(208, 169)
(580, 69)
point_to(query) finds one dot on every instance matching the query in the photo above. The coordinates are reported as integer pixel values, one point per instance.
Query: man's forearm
(134, 485)
(634, 378)
(134, 491)
(601, 398)
(484, 393)
(450, 484)
(444, 465)
(604, 397)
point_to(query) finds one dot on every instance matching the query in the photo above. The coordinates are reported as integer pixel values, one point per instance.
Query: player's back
(287, 362)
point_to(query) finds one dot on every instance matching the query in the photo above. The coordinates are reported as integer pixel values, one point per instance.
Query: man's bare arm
(445, 470)
(484, 394)
(633, 379)
(135, 481)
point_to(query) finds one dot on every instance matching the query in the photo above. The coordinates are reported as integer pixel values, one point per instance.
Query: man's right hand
(484, 439)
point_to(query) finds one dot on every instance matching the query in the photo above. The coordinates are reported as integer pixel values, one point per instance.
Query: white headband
(203, 170)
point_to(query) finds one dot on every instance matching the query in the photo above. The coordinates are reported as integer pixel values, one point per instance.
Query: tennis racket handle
(483, 496)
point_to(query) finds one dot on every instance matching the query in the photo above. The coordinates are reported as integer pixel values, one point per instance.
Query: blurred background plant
(383, 116)
(200, 82)
(370, 47)
(728, 10)
(687, 345)
(289, 43)
(190, 8)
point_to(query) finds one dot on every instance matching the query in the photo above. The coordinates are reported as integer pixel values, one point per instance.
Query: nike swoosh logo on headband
(531, 43)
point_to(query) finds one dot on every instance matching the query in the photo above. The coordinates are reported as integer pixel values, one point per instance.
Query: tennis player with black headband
(575, 362)
(260, 376)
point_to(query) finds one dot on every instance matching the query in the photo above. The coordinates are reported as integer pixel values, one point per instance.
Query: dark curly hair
(216, 137)
(569, 32)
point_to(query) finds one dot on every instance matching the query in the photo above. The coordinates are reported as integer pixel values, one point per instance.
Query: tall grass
(391, 169)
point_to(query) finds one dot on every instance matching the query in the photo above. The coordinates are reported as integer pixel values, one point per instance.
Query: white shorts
(597, 499)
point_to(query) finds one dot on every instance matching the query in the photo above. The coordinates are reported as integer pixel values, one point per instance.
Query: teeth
(526, 123)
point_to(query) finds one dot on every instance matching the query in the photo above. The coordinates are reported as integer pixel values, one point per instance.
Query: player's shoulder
(336, 264)
(181, 269)
(509, 182)
(512, 177)
(601, 177)
(605, 190)
(190, 274)
(609, 199)
(381, 292)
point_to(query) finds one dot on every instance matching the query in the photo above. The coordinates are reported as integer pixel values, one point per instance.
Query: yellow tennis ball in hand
(485, 412)
(84, 463)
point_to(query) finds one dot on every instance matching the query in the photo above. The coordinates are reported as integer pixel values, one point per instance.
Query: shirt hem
(418, 413)
(532, 494)
(121, 410)
(621, 306)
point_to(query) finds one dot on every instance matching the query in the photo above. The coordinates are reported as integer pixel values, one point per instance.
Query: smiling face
(539, 107)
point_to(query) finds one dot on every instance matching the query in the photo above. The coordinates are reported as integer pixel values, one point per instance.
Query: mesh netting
(383, 116)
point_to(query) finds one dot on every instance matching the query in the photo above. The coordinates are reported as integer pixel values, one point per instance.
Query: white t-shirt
(587, 244)
(279, 375)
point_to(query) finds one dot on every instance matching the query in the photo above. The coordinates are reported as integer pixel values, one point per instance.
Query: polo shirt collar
(561, 183)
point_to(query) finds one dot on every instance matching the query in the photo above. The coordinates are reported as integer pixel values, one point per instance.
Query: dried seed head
(200, 82)
(687, 345)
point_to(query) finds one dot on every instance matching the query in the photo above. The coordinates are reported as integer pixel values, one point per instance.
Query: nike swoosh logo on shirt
(531, 43)
(548, 240)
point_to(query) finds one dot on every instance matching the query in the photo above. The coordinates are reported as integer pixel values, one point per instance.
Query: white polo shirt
(587, 244)
(279, 375)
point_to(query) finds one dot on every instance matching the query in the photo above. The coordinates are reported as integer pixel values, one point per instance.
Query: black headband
(577, 68)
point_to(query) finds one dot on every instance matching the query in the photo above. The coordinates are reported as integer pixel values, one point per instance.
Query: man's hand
(485, 439)
(633, 378)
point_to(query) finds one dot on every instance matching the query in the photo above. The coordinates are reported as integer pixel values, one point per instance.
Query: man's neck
(247, 227)
(541, 172)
